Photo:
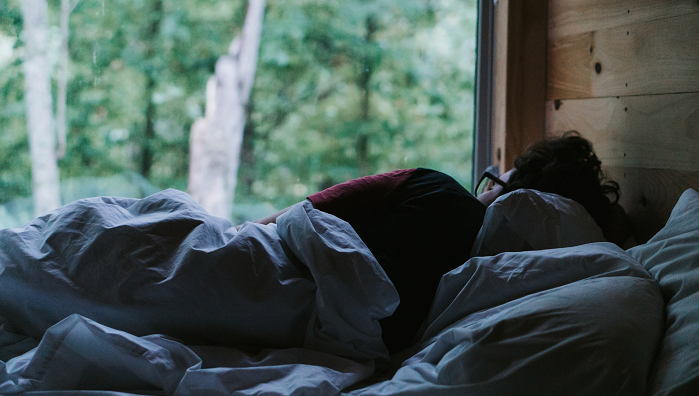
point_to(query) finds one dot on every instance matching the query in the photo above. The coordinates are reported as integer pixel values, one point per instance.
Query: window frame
(483, 114)
(511, 81)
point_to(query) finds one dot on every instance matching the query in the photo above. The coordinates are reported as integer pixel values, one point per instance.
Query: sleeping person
(162, 265)
(421, 223)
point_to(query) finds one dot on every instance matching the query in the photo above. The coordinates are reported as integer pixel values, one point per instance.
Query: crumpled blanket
(95, 281)
(584, 320)
(121, 297)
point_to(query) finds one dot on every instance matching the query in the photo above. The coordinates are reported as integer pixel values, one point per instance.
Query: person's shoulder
(399, 172)
(432, 174)
(428, 171)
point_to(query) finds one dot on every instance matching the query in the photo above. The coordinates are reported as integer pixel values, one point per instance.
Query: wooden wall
(519, 78)
(625, 74)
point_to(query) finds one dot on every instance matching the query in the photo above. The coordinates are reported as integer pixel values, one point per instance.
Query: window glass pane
(342, 89)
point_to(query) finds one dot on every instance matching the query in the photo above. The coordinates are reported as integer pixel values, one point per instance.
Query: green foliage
(343, 88)
(308, 93)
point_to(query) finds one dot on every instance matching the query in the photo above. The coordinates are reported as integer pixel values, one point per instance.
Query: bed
(113, 296)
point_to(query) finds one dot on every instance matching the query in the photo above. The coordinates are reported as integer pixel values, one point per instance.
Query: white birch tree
(61, 121)
(40, 124)
(216, 140)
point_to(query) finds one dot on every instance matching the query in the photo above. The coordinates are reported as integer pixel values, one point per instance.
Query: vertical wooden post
(519, 78)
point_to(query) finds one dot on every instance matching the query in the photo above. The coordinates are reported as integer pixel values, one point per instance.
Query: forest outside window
(339, 89)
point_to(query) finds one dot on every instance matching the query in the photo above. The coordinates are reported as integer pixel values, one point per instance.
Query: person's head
(569, 167)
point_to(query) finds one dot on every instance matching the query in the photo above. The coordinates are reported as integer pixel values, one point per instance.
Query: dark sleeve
(359, 197)
(427, 229)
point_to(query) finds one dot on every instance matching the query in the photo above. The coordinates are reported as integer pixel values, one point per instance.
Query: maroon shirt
(361, 196)
(419, 224)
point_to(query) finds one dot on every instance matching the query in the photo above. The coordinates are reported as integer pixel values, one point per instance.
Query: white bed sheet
(96, 279)
(582, 320)
(585, 320)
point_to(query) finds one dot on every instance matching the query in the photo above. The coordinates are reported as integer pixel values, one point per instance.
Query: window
(342, 89)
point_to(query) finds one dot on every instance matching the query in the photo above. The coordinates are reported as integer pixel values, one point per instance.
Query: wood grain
(519, 78)
(500, 84)
(655, 131)
(570, 17)
(648, 196)
(655, 57)
(625, 74)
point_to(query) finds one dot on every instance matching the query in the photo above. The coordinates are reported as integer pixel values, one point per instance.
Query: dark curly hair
(567, 166)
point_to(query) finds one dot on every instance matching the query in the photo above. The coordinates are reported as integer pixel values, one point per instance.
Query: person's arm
(351, 198)
(489, 196)
(271, 219)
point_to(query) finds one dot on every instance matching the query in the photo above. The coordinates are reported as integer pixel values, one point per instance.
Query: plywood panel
(655, 131)
(570, 17)
(648, 196)
(654, 57)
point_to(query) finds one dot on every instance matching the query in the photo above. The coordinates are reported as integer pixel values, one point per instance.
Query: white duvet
(87, 293)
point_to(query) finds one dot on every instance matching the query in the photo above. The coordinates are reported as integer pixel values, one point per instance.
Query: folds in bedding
(86, 290)
(161, 265)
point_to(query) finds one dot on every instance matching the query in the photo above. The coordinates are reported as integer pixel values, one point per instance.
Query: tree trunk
(37, 83)
(156, 16)
(366, 72)
(61, 122)
(247, 150)
(149, 129)
(215, 142)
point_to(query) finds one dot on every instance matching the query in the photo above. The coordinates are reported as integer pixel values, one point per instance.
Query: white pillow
(532, 220)
(672, 257)
(538, 323)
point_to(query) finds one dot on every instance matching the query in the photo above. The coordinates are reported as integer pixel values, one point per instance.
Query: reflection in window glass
(342, 89)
